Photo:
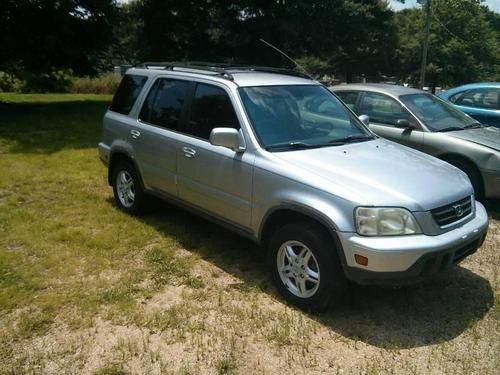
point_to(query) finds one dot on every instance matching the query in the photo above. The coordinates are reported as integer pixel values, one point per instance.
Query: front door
(384, 111)
(213, 178)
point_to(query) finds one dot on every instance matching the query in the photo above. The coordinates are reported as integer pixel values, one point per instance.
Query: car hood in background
(488, 136)
(383, 173)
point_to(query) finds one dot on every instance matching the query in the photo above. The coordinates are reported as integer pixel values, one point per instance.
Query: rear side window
(211, 108)
(165, 103)
(487, 98)
(348, 97)
(127, 93)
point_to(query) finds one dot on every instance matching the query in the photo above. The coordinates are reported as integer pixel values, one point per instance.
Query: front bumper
(405, 259)
(103, 152)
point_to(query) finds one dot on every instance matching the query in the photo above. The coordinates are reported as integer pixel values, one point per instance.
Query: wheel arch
(450, 157)
(122, 155)
(284, 214)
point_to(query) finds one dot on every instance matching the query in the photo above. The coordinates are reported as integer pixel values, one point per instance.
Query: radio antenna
(288, 57)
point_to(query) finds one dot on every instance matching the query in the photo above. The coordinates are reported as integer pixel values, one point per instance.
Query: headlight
(385, 221)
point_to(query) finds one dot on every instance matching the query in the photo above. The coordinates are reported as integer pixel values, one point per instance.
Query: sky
(492, 4)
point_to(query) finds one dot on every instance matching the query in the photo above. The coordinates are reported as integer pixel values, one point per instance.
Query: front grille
(441, 262)
(452, 212)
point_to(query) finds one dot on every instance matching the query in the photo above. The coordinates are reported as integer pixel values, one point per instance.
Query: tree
(40, 36)
(348, 36)
(463, 43)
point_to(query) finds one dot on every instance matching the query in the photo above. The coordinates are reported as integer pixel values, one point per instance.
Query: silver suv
(278, 158)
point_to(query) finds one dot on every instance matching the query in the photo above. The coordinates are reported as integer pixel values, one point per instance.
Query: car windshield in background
(436, 114)
(300, 117)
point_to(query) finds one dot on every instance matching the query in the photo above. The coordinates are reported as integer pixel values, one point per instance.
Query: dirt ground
(449, 324)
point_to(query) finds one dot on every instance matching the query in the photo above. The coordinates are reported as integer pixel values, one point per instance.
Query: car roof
(394, 90)
(240, 77)
(468, 86)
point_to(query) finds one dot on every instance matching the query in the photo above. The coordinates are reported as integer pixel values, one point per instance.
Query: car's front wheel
(305, 266)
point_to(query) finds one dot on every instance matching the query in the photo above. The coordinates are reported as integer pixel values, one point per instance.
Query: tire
(474, 176)
(127, 189)
(311, 275)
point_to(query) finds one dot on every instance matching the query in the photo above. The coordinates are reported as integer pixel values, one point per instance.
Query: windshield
(437, 114)
(300, 116)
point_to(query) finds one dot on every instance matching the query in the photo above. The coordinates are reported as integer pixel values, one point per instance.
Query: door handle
(188, 152)
(135, 133)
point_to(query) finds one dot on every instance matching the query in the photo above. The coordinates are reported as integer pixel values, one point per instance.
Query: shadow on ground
(493, 208)
(50, 127)
(434, 311)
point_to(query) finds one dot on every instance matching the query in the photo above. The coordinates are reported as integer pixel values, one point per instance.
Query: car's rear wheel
(127, 189)
(305, 266)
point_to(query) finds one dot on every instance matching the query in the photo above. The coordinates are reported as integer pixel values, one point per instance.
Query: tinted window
(382, 109)
(348, 97)
(487, 98)
(211, 108)
(128, 91)
(164, 103)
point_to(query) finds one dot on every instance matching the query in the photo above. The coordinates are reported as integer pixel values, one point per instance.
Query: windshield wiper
(450, 128)
(474, 125)
(291, 146)
(352, 139)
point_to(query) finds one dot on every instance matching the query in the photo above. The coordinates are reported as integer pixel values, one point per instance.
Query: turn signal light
(360, 259)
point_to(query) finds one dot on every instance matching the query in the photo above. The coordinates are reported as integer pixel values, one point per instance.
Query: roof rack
(221, 69)
(214, 68)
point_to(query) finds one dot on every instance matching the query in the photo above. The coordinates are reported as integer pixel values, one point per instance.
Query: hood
(382, 173)
(489, 137)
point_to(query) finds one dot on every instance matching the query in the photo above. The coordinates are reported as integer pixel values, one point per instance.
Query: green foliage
(52, 81)
(464, 43)
(50, 35)
(9, 82)
(104, 84)
(113, 369)
(43, 40)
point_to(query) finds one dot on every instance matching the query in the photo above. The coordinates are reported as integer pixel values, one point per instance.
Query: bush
(10, 83)
(59, 81)
(104, 84)
(55, 81)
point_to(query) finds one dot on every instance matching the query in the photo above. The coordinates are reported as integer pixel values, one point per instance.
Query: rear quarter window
(129, 89)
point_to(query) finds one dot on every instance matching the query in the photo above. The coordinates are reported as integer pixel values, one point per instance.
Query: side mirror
(227, 137)
(365, 119)
(404, 124)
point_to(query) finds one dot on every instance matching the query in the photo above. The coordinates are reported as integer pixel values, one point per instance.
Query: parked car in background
(478, 100)
(427, 123)
(278, 158)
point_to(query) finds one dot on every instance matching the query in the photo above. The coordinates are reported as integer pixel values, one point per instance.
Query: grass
(85, 288)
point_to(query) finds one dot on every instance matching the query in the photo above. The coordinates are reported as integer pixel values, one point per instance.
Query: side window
(348, 97)
(382, 109)
(164, 103)
(486, 98)
(211, 108)
(127, 93)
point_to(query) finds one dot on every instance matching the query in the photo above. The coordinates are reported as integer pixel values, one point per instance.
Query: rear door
(213, 178)
(156, 132)
(384, 111)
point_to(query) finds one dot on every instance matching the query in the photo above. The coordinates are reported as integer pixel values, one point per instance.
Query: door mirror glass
(365, 119)
(227, 137)
(404, 124)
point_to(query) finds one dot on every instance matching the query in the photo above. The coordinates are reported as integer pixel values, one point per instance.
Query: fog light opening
(361, 260)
